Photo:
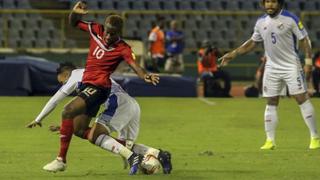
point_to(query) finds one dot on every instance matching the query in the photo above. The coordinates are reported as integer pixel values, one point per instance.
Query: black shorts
(94, 96)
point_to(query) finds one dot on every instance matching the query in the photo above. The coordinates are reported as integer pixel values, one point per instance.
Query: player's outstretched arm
(305, 45)
(79, 9)
(244, 48)
(147, 77)
(47, 109)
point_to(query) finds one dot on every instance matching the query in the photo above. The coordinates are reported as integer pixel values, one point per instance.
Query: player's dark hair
(114, 22)
(281, 2)
(67, 66)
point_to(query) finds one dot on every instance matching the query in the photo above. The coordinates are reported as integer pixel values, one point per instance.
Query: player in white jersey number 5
(281, 32)
(122, 114)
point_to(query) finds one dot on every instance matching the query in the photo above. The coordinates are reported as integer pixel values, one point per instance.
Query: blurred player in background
(122, 114)
(174, 49)
(106, 51)
(279, 30)
(156, 45)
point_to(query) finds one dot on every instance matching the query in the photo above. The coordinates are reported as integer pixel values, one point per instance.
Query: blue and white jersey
(73, 81)
(280, 36)
(116, 88)
(118, 99)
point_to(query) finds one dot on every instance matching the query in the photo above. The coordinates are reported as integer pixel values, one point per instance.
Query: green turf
(191, 129)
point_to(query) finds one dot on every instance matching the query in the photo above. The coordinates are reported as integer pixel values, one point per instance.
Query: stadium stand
(138, 24)
(227, 23)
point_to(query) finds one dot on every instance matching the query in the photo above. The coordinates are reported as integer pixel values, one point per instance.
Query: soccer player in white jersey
(281, 32)
(122, 114)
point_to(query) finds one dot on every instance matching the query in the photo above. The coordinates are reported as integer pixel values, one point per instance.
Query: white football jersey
(73, 81)
(280, 36)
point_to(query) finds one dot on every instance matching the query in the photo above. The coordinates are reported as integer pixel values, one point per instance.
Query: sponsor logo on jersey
(281, 26)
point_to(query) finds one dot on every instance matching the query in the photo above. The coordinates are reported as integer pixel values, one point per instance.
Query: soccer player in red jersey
(106, 51)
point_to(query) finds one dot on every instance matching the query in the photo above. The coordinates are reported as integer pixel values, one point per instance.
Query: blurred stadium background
(40, 28)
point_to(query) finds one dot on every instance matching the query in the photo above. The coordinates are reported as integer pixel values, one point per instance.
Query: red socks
(66, 131)
(86, 133)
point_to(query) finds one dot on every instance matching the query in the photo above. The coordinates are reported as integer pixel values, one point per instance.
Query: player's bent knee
(68, 112)
(96, 131)
(301, 98)
(273, 101)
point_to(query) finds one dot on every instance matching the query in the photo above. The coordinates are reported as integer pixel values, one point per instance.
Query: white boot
(56, 165)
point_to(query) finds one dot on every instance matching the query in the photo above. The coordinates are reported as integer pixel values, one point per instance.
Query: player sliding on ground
(279, 31)
(106, 51)
(122, 114)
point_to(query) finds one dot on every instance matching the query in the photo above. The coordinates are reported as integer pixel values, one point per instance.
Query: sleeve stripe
(288, 14)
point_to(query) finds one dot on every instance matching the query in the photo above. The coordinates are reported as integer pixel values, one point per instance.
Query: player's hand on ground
(54, 128)
(152, 78)
(80, 8)
(34, 124)
(224, 60)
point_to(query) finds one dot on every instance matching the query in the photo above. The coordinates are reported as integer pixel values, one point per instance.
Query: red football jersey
(102, 60)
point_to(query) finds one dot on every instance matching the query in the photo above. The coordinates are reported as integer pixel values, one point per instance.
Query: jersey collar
(278, 15)
(113, 44)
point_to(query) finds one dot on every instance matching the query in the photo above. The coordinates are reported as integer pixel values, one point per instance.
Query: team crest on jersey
(281, 26)
(300, 25)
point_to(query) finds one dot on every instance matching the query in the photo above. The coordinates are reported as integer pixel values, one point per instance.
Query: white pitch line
(210, 103)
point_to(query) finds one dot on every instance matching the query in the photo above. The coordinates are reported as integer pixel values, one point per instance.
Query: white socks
(271, 119)
(270, 122)
(308, 115)
(108, 143)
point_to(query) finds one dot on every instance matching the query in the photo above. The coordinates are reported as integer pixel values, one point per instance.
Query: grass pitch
(219, 140)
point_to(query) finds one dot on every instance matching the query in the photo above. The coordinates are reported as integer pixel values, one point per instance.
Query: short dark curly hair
(114, 22)
(66, 66)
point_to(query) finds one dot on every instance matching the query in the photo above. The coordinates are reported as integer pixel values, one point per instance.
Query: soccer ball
(150, 164)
